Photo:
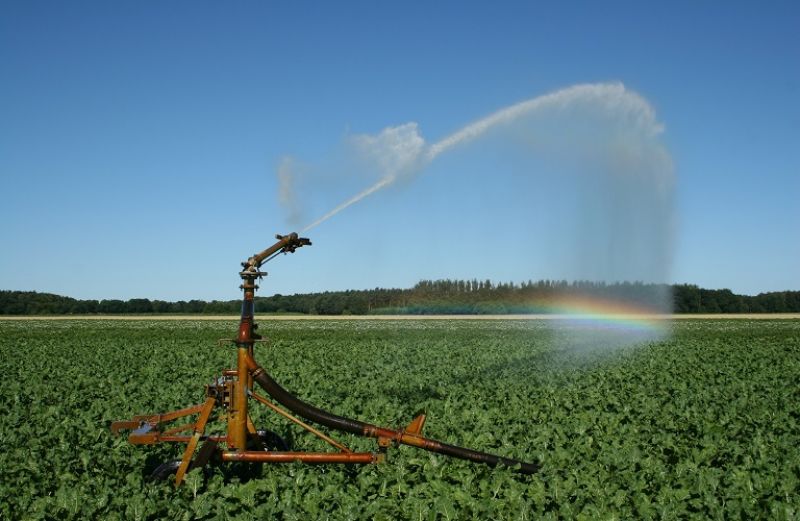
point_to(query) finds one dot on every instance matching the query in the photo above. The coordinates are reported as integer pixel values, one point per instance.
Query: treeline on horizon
(428, 297)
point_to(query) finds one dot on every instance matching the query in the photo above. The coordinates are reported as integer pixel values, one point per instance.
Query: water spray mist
(621, 174)
(401, 151)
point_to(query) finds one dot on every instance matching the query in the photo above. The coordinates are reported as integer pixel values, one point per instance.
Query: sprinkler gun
(227, 399)
(286, 244)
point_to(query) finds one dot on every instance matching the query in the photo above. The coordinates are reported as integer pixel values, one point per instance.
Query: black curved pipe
(482, 457)
(315, 414)
(309, 412)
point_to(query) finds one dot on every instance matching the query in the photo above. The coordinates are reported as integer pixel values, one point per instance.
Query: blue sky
(139, 141)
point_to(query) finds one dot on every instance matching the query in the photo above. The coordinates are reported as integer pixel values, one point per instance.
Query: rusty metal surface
(415, 427)
(286, 244)
(304, 457)
(199, 429)
(181, 438)
(123, 425)
(205, 454)
(301, 423)
(231, 392)
(315, 414)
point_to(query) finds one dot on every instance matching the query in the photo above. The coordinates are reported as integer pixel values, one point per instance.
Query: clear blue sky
(139, 141)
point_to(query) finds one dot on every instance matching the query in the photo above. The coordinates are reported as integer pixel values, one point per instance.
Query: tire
(166, 470)
(272, 441)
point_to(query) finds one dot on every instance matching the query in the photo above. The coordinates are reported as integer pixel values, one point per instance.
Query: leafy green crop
(705, 424)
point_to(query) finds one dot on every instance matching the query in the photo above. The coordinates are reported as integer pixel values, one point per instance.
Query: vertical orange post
(237, 426)
(238, 417)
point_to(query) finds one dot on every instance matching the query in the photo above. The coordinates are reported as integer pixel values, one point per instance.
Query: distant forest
(427, 297)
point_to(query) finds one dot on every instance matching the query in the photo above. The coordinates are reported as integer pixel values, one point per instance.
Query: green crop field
(704, 424)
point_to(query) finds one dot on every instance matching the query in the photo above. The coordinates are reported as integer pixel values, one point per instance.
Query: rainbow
(598, 312)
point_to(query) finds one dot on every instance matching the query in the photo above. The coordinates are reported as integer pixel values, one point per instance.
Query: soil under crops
(704, 424)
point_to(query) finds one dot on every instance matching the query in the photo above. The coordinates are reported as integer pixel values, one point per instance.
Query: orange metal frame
(230, 393)
(228, 399)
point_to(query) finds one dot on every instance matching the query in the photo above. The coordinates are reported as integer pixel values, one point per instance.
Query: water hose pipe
(340, 423)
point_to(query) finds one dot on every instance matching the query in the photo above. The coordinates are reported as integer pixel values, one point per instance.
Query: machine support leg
(301, 423)
(235, 386)
(199, 428)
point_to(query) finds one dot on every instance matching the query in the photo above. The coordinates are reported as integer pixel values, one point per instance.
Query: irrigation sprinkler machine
(228, 397)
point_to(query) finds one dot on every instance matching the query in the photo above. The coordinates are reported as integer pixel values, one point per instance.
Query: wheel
(166, 470)
(272, 441)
